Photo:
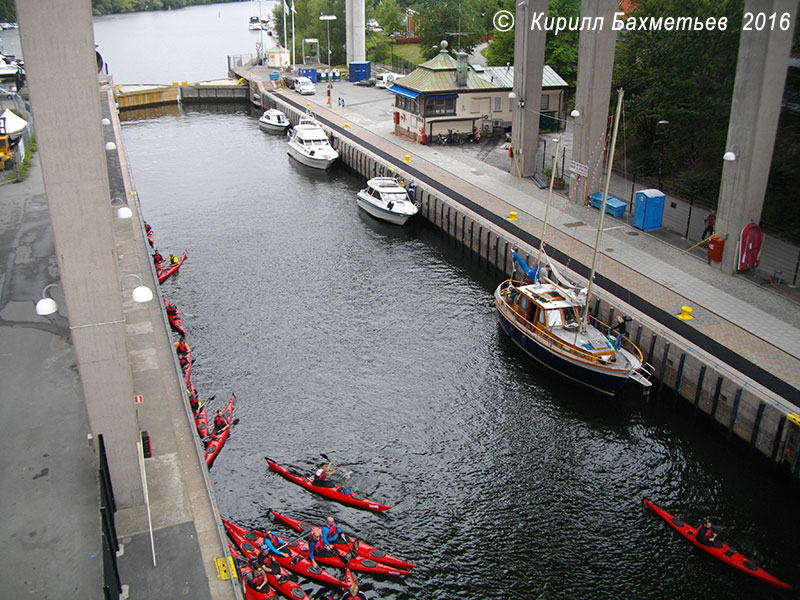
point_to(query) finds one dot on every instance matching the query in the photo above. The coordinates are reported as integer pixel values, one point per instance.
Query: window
(554, 318)
(440, 106)
(406, 104)
(498, 103)
(545, 102)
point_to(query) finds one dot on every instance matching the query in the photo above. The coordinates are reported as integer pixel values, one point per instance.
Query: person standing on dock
(710, 219)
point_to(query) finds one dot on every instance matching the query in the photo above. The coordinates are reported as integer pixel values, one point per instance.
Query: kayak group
(222, 421)
(269, 563)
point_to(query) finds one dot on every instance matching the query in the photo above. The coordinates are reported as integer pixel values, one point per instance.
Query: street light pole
(328, 19)
(661, 152)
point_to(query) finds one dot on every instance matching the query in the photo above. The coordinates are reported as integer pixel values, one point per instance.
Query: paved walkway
(756, 323)
(50, 493)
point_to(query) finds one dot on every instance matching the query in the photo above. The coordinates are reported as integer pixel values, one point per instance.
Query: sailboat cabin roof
(546, 295)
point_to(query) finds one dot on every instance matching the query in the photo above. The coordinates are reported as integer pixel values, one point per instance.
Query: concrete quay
(51, 497)
(737, 361)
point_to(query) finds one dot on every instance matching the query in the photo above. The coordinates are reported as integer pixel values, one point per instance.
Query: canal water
(378, 346)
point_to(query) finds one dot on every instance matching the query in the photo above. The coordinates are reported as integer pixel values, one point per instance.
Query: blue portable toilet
(360, 70)
(310, 73)
(648, 209)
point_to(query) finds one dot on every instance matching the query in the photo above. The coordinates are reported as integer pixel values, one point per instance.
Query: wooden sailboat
(550, 321)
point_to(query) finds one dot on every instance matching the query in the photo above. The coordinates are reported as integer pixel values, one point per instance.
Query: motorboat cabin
(384, 198)
(273, 120)
(309, 145)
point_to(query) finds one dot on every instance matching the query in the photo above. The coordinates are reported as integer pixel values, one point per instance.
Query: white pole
(285, 44)
(146, 499)
(585, 319)
(261, 31)
(294, 62)
(549, 198)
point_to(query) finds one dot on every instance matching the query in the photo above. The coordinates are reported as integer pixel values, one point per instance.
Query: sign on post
(138, 399)
(579, 168)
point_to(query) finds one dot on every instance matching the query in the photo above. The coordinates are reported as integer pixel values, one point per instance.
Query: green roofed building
(447, 95)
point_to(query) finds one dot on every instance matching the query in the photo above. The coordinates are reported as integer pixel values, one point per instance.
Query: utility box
(360, 70)
(310, 73)
(648, 209)
(614, 206)
(715, 247)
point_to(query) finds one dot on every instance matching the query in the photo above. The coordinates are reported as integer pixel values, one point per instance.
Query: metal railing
(112, 587)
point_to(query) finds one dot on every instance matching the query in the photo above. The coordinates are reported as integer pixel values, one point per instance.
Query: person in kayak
(256, 580)
(171, 309)
(182, 348)
(704, 534)
(220, 422)
(273, 544)
(353, 594)
(316, 547)
(331, 534)
(322, 473)
(194, 398)
(173, 260)
(158, 260)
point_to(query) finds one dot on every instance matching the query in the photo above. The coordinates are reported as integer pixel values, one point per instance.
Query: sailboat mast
(585, 318)
(549, 198)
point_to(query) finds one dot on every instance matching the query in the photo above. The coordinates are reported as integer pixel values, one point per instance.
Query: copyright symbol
(503, 20)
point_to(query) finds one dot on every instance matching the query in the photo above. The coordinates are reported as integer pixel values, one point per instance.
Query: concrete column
(528, 66)
(348, 22)
(757, 94)
(58, 45)
(356, 23)
(593, 90)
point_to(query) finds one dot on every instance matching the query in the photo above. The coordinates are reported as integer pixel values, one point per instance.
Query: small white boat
(384, 198)
(273, 120)
(309, 145)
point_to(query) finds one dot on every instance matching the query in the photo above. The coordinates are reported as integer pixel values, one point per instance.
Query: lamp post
(661, 152)
(328, 19)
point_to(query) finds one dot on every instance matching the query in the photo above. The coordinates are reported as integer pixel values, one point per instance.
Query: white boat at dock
(384, 198)
(273, 120)
(309, 145)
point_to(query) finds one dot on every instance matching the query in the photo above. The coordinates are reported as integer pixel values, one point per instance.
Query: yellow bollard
(347, 125)
(512, 216)
(407, 158)
(308, 104)
(280, 89)
(184, 83)
(686, 313)
(174, 84)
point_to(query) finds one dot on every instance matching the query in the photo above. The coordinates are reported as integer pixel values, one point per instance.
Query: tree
(441, 20)
(685, 78)
(389, 16)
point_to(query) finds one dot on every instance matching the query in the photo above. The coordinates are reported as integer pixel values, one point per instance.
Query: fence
(112, 587)
(401, 65)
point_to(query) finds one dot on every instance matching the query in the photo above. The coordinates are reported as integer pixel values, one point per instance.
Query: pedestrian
(621, 329)
(709, 221)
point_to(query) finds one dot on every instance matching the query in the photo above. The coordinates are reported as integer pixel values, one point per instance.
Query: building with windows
(444, 96)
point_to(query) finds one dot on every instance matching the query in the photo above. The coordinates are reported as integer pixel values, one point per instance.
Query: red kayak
(717, 549)
(250, 541)
(185, 360)
(171, 268)
(174, 318)
(283, 582)
(357, 563)
(245, 576)
(201, 421)
(363, 549)
(343, 495)
(217, 439)
(150, 237)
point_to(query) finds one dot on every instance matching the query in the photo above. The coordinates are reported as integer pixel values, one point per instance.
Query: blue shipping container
(310, 73)
(360, 70)
(648, 210)
(614, 206)
(274, 76)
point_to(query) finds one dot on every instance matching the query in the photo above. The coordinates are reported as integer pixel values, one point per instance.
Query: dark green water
(379, 347)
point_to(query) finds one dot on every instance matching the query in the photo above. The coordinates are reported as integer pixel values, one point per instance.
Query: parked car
(289, 81)
(304, 86)
(385, 80)
(365, 82)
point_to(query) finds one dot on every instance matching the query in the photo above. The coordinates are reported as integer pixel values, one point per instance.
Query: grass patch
(409, 52)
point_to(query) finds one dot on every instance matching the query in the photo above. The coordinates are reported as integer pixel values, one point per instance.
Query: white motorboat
(254, 24)
(384, 198)
(309, 145)
(273, 120)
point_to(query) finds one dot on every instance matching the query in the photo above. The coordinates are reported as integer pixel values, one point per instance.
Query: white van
(304, 85)
(385, 80)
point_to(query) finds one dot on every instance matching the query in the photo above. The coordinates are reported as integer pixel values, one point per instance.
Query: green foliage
(685, 78)
(308, 25)
(561, 51)
(107, 7)
(440, 19)
(8, 12)
(389, 16)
